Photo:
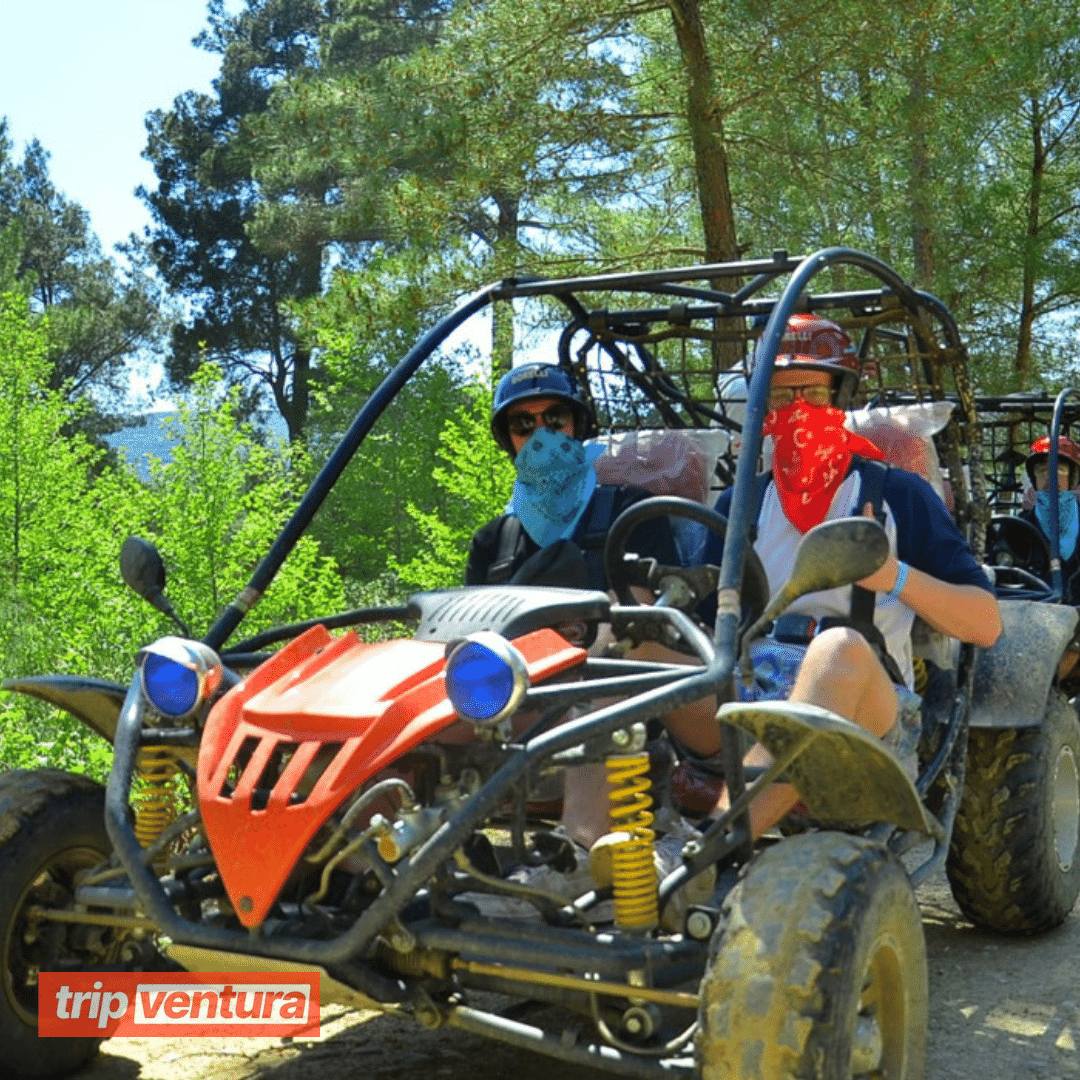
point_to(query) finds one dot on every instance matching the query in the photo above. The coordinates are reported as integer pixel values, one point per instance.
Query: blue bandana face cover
(1068, 519)
(555, 481)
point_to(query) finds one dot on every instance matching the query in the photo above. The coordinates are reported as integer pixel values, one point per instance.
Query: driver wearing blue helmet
(541, 419)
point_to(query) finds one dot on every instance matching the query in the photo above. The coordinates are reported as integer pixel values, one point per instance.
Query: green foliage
(475, 477)
(213, 510)
(952, 154)
(501, 139)
(43, 476)
(52, 541)
(364, 326)
(217, 506)
(100, 314)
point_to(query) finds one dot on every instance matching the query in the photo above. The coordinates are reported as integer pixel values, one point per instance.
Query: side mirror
(141, 567)
(144, 572)
(830, 555)
(836, 553)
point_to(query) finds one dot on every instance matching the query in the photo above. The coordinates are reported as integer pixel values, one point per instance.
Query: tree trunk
(706, 134)
(1022, 364)
(502, 315)
(706, 129)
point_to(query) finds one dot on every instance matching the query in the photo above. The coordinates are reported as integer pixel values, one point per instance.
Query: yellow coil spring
(633, 869)
(155, 807)
(918, 664)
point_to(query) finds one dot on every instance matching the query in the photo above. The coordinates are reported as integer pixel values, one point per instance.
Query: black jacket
(500, 547)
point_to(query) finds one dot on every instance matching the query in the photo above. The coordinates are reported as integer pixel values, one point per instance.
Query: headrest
(905, 435)
(663, 462)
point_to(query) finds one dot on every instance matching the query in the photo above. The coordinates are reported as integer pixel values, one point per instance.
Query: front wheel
(52, 825)
(1014, 860)
(819, 969)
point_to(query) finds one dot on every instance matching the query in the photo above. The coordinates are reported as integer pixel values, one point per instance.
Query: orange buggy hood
(356, 708)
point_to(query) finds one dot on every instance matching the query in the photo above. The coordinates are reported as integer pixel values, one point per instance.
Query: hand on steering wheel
(755, 584)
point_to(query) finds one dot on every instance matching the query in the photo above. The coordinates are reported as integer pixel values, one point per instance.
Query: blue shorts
(776, 665)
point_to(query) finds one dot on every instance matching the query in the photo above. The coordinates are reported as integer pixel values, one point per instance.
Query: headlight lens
(179, 675)
(486, 678)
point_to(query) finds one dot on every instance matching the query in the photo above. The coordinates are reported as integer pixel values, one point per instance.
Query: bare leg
(840, 672)
(693, 725)
(585, 798)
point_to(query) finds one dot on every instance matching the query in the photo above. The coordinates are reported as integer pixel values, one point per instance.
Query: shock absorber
(155, 809)
(918, 665)
(632, 866)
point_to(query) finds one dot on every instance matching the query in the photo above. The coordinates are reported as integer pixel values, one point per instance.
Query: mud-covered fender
(844, 775)
(96, 702)
(1013, 677)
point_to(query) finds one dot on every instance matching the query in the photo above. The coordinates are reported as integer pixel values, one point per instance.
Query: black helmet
(539, 380)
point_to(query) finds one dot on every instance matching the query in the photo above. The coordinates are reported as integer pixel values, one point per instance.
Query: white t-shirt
(777, 542)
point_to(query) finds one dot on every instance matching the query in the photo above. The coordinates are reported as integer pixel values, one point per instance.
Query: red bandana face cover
(811, 459)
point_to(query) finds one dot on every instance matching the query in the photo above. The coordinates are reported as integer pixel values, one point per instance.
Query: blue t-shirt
(926, 536)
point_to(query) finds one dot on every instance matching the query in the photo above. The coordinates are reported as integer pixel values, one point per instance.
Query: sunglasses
(779, 396)
(553, 418)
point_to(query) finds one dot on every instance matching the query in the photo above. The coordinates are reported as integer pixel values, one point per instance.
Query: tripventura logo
(106, 1003)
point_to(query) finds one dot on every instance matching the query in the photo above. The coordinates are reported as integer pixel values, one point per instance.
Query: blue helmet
(539, 380)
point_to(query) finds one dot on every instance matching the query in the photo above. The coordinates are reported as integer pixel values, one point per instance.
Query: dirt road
(999, 1008)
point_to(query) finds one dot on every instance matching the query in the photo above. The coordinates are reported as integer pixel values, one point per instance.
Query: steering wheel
(1016, 583)
(1018, 551)
(755, 584)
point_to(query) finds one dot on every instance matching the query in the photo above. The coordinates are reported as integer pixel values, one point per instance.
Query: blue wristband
(901, 580)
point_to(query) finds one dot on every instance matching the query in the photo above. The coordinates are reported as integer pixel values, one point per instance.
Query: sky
(81, 75)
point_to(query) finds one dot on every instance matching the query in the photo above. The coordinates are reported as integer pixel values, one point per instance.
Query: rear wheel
(819, 968)
(1014, 860)
(52, 825)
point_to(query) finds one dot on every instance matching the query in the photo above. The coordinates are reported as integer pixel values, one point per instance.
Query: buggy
(1014, 864)
(332, 829)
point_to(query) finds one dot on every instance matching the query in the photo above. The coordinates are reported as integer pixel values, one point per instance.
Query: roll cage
(650, 364)
(912, 352)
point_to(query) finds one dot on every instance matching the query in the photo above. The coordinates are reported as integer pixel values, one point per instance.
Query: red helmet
(1067, 449)
(814, 343)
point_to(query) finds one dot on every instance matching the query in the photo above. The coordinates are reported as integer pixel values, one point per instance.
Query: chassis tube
(536, 1039)
(320, 487)
(411, 874)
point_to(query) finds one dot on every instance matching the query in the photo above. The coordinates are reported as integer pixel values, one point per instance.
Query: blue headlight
(179, 675)
(486, 678)
(171, 687)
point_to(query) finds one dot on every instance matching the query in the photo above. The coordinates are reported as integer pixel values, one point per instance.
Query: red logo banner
(140, 1004)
